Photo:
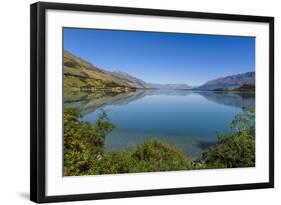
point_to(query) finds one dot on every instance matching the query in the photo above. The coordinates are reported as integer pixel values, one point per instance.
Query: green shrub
(82, 141)
(236, 149)
(233, 150)
(152, 155)
(113, 163)
(155, 155)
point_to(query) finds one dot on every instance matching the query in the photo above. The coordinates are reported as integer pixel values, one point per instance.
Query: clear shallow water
(189, 120)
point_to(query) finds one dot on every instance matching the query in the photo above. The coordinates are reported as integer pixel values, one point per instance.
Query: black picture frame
(38, 101)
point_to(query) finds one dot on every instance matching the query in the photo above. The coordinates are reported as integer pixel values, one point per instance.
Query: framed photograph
(129, 102)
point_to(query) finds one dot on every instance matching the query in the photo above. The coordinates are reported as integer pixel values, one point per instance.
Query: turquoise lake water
(187, 119)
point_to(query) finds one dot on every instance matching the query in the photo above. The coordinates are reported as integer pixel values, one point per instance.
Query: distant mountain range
(232, 82)
(80, 74)
(170, 86)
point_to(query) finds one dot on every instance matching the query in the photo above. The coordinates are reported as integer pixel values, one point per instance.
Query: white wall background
(14, 100)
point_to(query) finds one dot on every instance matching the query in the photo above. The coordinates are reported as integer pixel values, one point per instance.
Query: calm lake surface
(190, 120)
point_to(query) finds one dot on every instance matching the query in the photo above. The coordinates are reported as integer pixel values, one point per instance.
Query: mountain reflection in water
(87, 102)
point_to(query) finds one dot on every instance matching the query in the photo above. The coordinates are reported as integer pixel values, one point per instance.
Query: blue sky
(163, 57)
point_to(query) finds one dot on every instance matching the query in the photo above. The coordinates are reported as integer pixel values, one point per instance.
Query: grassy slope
(81, 74)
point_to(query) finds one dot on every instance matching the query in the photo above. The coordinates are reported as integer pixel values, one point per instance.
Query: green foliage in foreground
(82, 141)
(84, 149)
(235, 149)
(152, 155)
